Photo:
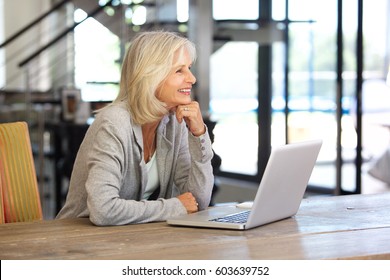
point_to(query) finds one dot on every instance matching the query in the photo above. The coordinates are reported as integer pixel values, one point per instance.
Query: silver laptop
(278, 197)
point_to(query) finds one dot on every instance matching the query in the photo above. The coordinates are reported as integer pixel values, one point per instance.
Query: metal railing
(33, 23)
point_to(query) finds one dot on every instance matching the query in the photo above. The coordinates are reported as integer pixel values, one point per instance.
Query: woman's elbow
(101, 218)
(98, 220)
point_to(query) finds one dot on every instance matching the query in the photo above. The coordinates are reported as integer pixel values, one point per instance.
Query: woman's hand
(192, 116)
(189, 202)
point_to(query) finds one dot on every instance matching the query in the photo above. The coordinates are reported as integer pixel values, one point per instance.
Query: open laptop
(278, 197)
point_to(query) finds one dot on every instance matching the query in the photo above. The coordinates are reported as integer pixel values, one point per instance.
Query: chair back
(2, 219)
(18, 179)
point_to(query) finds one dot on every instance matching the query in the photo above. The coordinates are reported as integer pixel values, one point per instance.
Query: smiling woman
(147, 156)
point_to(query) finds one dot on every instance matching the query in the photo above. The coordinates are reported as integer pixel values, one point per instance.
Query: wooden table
(342, 227)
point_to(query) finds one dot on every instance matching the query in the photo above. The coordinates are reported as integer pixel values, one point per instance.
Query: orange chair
(18, 180)
(2, 219)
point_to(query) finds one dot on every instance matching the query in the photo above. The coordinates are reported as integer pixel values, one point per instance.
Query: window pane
(278, 9)
(376, 38)
(278, 127)
(234, 104)
(375, 92)
(233, 9)
(324, 12)
(96, 55)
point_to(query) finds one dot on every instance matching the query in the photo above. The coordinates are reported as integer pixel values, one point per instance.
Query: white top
(153, 181)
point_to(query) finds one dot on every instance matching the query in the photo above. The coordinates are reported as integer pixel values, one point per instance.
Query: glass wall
(305, 105)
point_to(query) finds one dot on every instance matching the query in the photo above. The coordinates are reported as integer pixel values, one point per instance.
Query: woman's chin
(187, 100)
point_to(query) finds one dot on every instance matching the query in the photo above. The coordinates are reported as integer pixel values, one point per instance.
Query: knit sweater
(109, 175)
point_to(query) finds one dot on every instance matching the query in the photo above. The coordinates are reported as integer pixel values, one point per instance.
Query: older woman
(147, 156)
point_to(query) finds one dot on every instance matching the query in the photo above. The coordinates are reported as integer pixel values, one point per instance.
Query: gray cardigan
(109, 175)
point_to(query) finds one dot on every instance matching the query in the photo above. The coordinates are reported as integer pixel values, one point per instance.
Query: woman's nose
(191, 78)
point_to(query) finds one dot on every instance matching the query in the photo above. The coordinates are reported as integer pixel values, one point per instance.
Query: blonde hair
(147, 64)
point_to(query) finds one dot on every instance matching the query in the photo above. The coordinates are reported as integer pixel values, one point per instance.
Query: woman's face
(176, 88)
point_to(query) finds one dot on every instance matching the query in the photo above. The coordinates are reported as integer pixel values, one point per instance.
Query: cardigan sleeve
(194, 171)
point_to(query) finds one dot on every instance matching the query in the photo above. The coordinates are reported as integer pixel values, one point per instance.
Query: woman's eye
(183, 69)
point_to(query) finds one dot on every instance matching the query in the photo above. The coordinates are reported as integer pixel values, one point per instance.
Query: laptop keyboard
(238, 218)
